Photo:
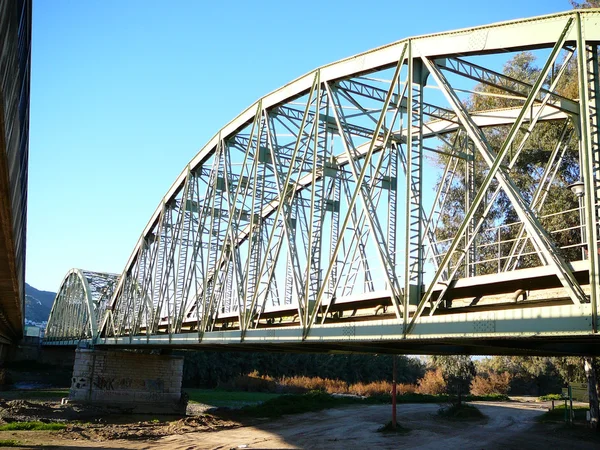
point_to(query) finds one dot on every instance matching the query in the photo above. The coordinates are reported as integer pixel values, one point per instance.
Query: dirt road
(509, 425)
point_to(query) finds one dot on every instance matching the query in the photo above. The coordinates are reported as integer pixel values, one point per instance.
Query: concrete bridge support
(128, 381)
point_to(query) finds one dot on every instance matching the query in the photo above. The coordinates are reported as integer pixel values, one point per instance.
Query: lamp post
(579, 190)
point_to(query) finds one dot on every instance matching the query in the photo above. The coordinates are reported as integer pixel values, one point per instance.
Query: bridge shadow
(79, 447)
(506, 425)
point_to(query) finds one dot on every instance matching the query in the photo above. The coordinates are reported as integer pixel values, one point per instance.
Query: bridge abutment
(128, 381)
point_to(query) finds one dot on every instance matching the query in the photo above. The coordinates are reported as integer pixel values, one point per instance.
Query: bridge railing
(508, 247)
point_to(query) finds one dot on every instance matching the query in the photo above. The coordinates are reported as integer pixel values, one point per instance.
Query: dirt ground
(508, 426)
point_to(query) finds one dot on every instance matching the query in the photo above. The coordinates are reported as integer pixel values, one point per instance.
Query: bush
(547, 398)
(253, 382)
(558, 414)
(295, 404)
(456, 411)
(432, 383)
(491, 383)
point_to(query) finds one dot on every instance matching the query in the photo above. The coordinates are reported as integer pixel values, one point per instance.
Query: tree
(432, 383)
(208, 369)
(529, 375)
(458, 371)
(586, 4)
(526, 172)
(491, 383)
(570, 368)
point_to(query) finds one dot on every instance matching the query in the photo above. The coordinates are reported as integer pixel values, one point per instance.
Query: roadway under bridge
(368, 206)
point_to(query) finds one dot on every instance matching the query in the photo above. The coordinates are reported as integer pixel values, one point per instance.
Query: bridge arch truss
(326, 212)
(79, 306)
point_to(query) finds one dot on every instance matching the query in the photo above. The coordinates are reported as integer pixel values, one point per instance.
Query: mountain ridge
(38, 304)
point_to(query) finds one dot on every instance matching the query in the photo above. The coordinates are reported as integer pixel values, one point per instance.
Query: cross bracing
(332, 204)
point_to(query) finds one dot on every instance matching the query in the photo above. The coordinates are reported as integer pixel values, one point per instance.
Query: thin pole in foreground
(394, 392)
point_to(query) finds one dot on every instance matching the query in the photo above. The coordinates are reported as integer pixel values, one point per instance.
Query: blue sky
(124, 93)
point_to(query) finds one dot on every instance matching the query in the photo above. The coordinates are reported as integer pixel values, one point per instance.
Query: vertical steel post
(590, 373)
(413, 266)
(470, 195)
(587, 62)
(392, 204)
(570, 404)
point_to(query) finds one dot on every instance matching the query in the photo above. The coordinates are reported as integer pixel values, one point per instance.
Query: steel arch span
(356, 208)
(79, 305)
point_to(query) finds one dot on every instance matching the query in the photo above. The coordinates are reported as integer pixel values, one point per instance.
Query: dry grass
(405, 388)
(370, 389)
(432, 383)
(306, 384)
(254, 382)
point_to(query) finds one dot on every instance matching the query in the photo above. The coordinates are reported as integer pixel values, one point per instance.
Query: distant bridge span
(367, 207)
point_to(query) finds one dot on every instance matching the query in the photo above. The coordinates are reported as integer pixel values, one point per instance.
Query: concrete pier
(128, 381)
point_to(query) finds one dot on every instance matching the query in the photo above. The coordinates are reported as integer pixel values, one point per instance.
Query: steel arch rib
(538, 32)
(92, 320)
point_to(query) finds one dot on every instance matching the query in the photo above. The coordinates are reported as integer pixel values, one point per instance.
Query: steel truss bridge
(356, 209)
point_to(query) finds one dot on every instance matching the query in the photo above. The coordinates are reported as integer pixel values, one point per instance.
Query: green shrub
(462, 411)
(253, 382)
(558, 414)
(297, 404)
(10, 443)
(547, 398)
(32, 426)
(228, 399)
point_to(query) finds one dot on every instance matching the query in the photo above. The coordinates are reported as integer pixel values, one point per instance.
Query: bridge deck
(516, 284)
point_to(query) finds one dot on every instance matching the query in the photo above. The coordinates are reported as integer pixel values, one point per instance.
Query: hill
(37, 304)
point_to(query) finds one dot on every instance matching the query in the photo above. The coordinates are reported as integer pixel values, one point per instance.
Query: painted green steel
(588, 119)
(79, 303)
(286, 229)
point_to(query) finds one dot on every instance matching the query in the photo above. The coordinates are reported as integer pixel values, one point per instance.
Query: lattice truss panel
(371, 184)
(80, 305)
